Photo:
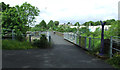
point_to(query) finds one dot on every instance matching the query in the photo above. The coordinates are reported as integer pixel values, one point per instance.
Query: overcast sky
(72, 10)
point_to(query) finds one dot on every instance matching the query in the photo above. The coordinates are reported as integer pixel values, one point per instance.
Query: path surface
(62, 55)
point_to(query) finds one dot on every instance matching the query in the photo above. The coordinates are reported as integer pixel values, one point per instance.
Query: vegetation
(16, 45)
(108, 22)
(77, 24)
(115, 61)
(40, 27)
(42, 43)
(18, 18)
(50, 24)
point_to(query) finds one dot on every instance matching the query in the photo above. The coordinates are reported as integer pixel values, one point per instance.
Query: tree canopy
(18, 18)
(108, 22)
(77, 24)
(56, 23)
(42, 24)
(50, 24)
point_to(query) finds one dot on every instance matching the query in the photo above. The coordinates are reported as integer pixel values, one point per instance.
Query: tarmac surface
(62, 55)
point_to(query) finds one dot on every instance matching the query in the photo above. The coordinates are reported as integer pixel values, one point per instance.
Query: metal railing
(114, 45)
(8, 33)
(36, 34)
(83, 41)
(90, 43)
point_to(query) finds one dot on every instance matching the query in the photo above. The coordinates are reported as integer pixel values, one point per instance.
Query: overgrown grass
(115, 61)
(16, 45)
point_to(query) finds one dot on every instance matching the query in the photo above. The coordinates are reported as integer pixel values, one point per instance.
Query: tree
(85, 24)
(118, 28)
(88, 23)
(97, 23)
(77, 24)
(109, 22)
(43, 24)
(4, 6)
(18, 18)
(68, 23)
(28, 11)
(50, 24)
(114, 29)
(84, 30)
(56, 23)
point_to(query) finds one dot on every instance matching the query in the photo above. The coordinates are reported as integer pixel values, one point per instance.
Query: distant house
(93, 28)
(62, 24)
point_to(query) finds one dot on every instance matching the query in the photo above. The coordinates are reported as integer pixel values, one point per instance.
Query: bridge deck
(62, 55)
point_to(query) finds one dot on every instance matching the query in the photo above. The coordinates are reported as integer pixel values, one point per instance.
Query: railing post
(111, 47)
(64, 36)
(49, 38)
(13, 37)
(68, 36)
(80, 41)
(89, 43)
(75, 39)
(85, 42)
(30, 38)
(39, 33)
(72, 37)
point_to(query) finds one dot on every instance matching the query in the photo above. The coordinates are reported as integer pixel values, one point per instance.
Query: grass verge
(16, 45)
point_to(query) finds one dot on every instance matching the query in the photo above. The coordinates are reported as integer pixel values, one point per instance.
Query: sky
(72, 10)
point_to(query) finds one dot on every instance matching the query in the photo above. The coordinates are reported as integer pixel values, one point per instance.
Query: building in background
(93, 28)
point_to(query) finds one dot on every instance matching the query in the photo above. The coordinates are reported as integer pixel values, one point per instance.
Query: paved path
(62, 55)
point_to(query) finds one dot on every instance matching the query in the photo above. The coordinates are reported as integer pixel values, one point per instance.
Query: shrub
(115, 61)
(42, 43)
(20, 37)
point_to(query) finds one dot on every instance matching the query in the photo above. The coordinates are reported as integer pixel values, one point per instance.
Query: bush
(115, 61)
(20, 37)
(42, 43)
(15, 45)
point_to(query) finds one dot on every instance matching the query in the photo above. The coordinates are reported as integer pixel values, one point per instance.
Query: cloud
(73, 10)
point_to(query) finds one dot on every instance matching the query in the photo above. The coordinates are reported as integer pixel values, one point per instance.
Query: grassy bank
(16, 45)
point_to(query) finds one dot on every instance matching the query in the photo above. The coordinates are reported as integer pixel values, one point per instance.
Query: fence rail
(90, 43)
(83, 41)
(114, 45)
(30, 35)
